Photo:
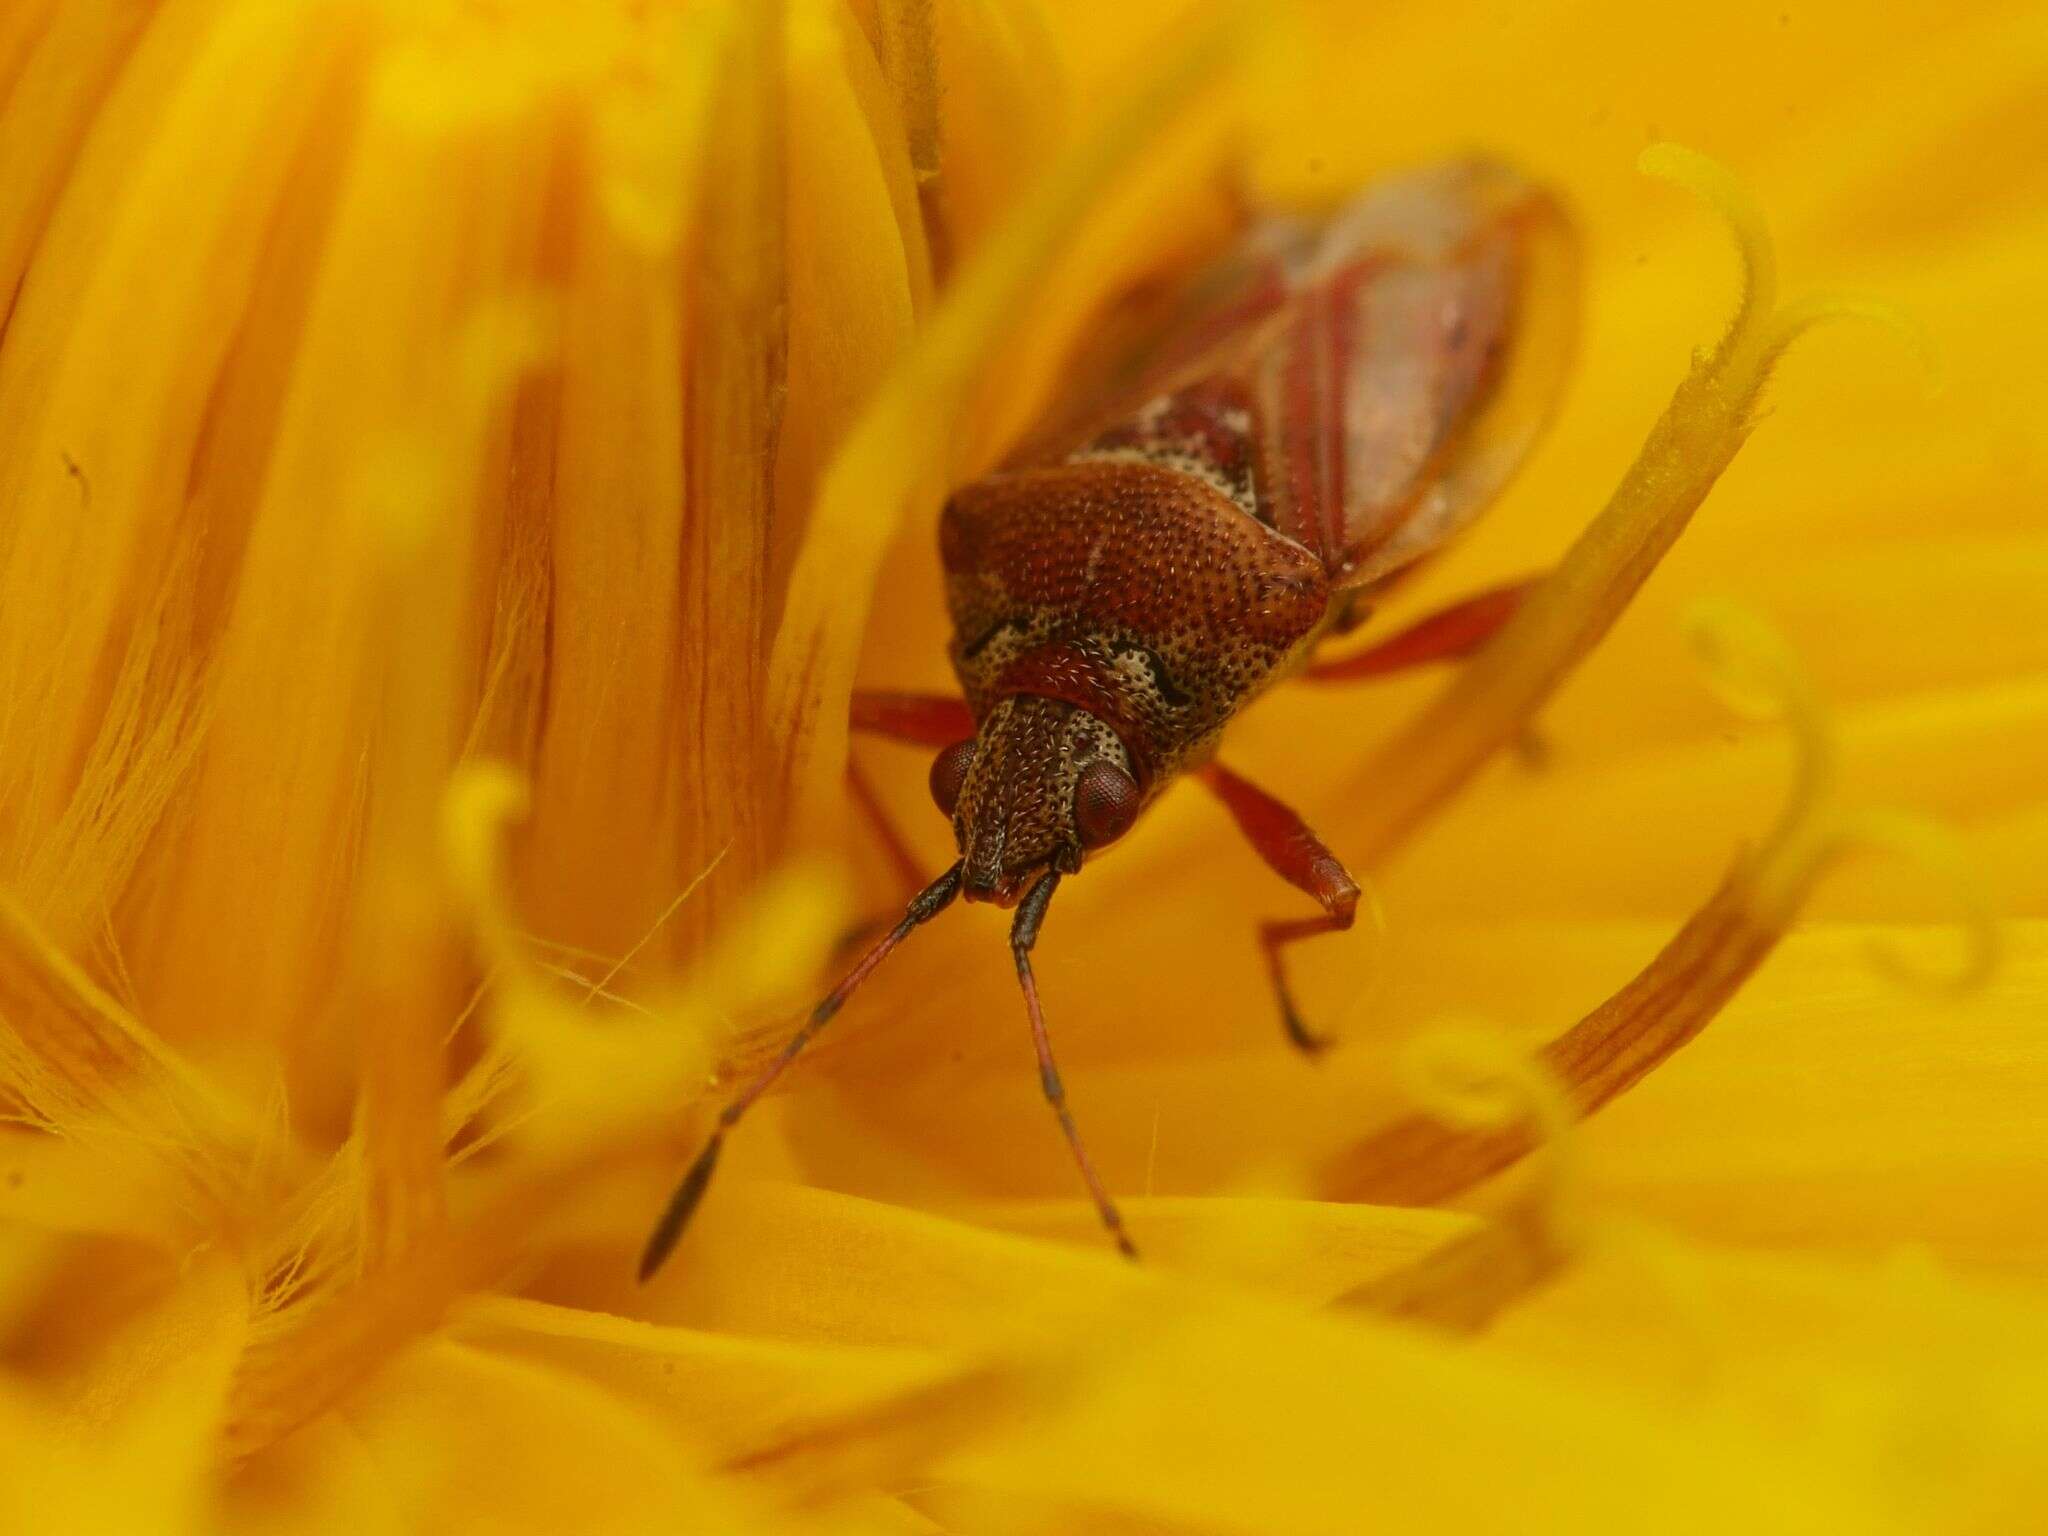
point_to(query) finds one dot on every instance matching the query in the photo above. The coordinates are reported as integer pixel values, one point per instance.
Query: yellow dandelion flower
(456, 461)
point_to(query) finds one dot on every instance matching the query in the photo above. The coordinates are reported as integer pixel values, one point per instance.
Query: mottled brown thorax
(1138, 593)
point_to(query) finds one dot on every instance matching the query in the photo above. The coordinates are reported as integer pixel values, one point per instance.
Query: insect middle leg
(1300, 858)
(1450, 634)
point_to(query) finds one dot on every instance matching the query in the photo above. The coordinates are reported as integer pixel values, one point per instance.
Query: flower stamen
(1475, 1080)
(82, 1066)
(597, 1082)
(1419, 1161)
(1934, 849)
(1490, 703)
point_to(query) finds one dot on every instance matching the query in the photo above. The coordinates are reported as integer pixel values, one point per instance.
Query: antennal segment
(1023, 935)
(924, 906)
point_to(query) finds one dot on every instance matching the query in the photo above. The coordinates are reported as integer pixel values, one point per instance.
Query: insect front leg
(920, 719)
(1300, 858)
(1450, 634)
(887, 833)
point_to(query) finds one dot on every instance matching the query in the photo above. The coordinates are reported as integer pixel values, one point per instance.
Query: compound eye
(1105, 803)
(949, 773)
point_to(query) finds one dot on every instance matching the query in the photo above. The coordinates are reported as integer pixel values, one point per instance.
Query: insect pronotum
(1290, 431)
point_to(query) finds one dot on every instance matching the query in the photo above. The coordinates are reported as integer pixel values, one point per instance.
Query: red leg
(923, 719)
(1299, 857)
(926, 719)
(893, 845)
(1448, 635)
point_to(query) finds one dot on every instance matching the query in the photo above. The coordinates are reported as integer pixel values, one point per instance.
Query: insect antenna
(1023, 935)
(926, 905)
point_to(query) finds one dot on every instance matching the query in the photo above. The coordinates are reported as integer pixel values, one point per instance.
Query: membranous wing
(1363, 383)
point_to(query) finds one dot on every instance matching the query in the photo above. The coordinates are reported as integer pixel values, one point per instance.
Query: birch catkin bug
(1305, 420)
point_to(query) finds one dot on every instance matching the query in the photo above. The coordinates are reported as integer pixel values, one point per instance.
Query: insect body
(1320, 409)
